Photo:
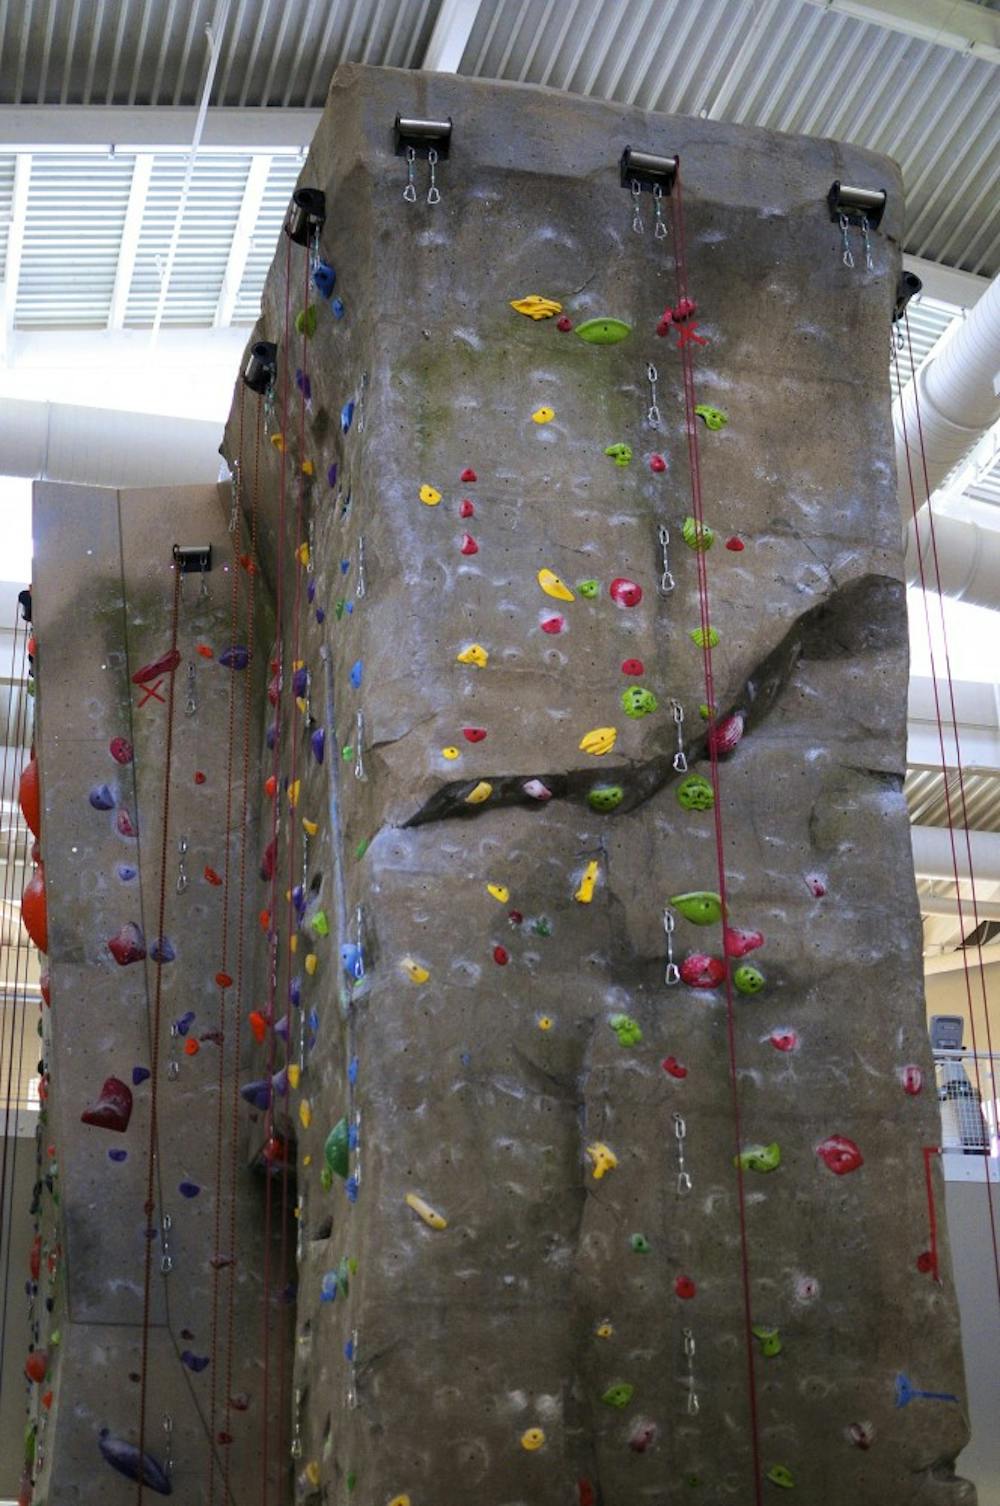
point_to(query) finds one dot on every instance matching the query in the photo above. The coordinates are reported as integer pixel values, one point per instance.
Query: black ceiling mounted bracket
(262, 366)
(856, 204)
(648, 170)
(193, 559)
(422, 136)
(306, 215)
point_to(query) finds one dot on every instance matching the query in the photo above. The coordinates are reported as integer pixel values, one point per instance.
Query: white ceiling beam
(138, 191)
(239, 250)
(932, 904)
(84, 128)
(959, 24)
(946, 284)
(450, 37)
(15, 248)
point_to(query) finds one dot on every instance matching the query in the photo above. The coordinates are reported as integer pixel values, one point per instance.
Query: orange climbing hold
(34, 911)
(191, 1047)
(223, 980)
(29, 797)
(204, 650)
(270, 786)
(211, 877)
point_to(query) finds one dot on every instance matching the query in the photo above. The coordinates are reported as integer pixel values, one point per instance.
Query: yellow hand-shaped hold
(293, 1074)
(474, 654)
(585, 893)
(499, 892)
(414, 971)
(450, 753)
(536, 307)
(482, 791)
(553, 586)
(423, 1210)
(532, 1439)
(312, 963)
(602, 1158)
(305, 1113)
(543, 415)
(430, 495)
(309, 827)
(598, 742)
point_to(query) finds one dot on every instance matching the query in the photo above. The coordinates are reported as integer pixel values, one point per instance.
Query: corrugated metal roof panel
(267, 231)
(6, 206)
(925, 795)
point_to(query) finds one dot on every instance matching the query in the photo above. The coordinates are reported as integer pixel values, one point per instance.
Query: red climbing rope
(149, 1205)
(931, 1150)
(954, 733)
(694, 460)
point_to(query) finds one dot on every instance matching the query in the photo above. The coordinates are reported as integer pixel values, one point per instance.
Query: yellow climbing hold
(307, 1160)
(293, 792)
(482, 791)
(605, 1329)
(450, 753)
(293, 943)
(423, 1210)
(302, 554)
(293, 1074)
(312, 1472)
(430, 495)
(543, 415)
(598, 742)
(311, 963)
(307, 470)
(278, 440)
(305, 1113)
(499, 892)
(536, 307)
(402, 1500)
(545, 1022)
(474, 654)
(553, 586)
(302, 704)
(602, 1158)
(532, 1439)
(414, 971)
(585, 893)
(309, 827)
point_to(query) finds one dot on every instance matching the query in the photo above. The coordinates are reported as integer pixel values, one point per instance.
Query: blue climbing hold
(311, 592)
(318, 744)
(351, 960)
(295, 990)
(128, 1461)
(331, 474)
(351, 1188)
(139, 1075)
(126, 872)
(257, 1094)
(300, 681)
(188, 1189)
(118, 1155)
(328, 1286)
(183, 1025)
(101, 798)
(235, 657)
(324, 278)
(304, 384)
(163, 950)
(195, 1362)
(356, 672)
(272, 736)
(337, 305)
(320, 615)
(347, 416)
(352, 1071)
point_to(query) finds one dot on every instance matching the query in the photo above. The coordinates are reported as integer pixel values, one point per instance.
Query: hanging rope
(944, 762)
(149, 1205)
(694, 459)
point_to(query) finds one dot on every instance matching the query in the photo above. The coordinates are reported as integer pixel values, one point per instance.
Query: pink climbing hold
(724, 736)
(123, 824)
(642, 1436)
(536, 790)
(633, 667)
(912, 1079)
(684, 308)
(664, 322)
(625, 593)
(553, 624)
(113, 1109)
(165, 665)
(128, 945)
(815, 885)
(657, 464)
(469, 545)
(840, 1155)
(120, 749)
(468, 475)
(700, 971)
(736, 544)
(675, 1068)
(738, 943)
(564, 325)
(783, 1040)
(466, 509)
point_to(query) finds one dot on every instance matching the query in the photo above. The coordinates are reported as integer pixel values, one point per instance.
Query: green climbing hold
(352, 1479)
(759, 1157)
(779, 1475)
(326, 1179)
(770, 1340)
(704, 711)
(628, 1031)
(305, 321)
(621, 454)
(319, 925)
(701, 907)
(589, 588)
(700, 637)
(339, 609)
(697, 536)
(636, 701)
(640, 1244)
(605, 797)
(542, 926)
(347, 752)
(695, 793)
(335, 1151)
(603, 331)
(714, 417)
(361, 848)
(618, 1395)
(749, 980)
(344, 1274)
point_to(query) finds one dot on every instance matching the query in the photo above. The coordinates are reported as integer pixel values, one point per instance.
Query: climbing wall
(576, 1224)
(115, 701)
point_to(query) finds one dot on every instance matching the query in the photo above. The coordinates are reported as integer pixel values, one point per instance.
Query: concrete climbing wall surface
(103, 592)
(519, 1282)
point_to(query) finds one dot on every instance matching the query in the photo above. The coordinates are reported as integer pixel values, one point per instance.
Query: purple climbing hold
(279, 1083)
(331, 475)
(304, 384)
(311, 592)
(295, 991)
(128, 1461)
(258, 1094)
(281, 1028)
(299, 900)
(300, 681)
(101, 798)
(126, 872)
(118, 1155)
(272, 736)
(188, 1189)
(183, 1025)
(163, 950)
(318, 744)
(236, 657)
(195, 1362)
(320, 615)
(139, 1075)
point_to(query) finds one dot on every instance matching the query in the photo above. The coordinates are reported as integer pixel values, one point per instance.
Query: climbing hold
(118, 1156)
(336, 1149)
(599, 741)
(414, 971)
(699, 971)
(605, 1329)
(554, 624)
(306, 320)
(620, 1394)
(702, 637)
(748, 980)
(861, 1434)
(466, 509)
(553, 586)
(113, 1109)
(139, 1075)
(603, 331)
(101, 798)
(188, 1189)
(468, 545)
(302, 552)
(759, 1157)
(165, 665)
(324, 278)
(627, 1029)
(685, 1288)
(317, 742)
(128, 945)
(638, 702)
(657, 464)
(311, 964)
(770, 1340)
(258, 1094)
(199, 777)
(700, 906)
(501, 956)
(737, 943)
(128, 1461)
(224, 980)
(310, 827)
(621, 454)
(783, 1040)
(543, 415)
(735, 544)
(450, 753)
(318, 923)
(258, 1025)
(338, 310)
(633, 667)
(779, 1475)
(840, 1155)
(724, 736)
(191, 1047)
(402, 1500)
(585, 892)
(713, 418)
(585, 1493)
(500, 892)
(588, 588)
(912, 1080)
(605, 797)
(293, 793)
(602, 1158)
(695, 793)
(120, 749)
(36, 1366)
(545, 1022)
(430, 496)
(474, 654)
(468, 475)
(532, 1439)
(536, 307)
(204, 650)
(480, 792)
(34, 911)
(625, 593)
(815, 885)
(671, 1065)
(431, 1218)
(536, 790)
(235, 657)
(697, 535)
(357, 671)
(564, 324)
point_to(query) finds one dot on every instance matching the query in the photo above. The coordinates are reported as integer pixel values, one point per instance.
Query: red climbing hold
(625, 593)
(553, 624)
(912, 1079)
(724, 736)
(28, 795)
(501, 956)
(632, 667)
(515, 917)
(468, 475)
(162, 666)
(113, 1109)
(474, 734)
(925, 1262)
(674, 1067)
(203, 648)
(45, 989)
(267, 862)
(684, 308)
(223, 980)
(120, 749)
(35, 1257)
(685, 1288)
(699, 971)
(783, 1040)
(657, 464)
(469, 545)
(264, 920)
(585, 1493)
(211, 877)
(815, 885)
(36, 1366)
(564, 325)
(47, 1400)
(466, 509)
(735, 544)
(258, 1026)
(123, 824)
(199, 777)
(738, 943)
(664, 322)
(128, 946)
(643, 1434)
(34, 911)
(270, 786)
(274, 689)
(840, 1155)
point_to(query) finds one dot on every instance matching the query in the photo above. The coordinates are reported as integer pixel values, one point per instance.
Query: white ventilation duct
(105, 446)
(958, 402)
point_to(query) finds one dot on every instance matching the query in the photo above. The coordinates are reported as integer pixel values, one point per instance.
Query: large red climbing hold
(128, 945)
(673, 1067)
(34, 911)
(165, 665)
(29, 797)
(468, 544)
(625, 593)
(113, 1109)
(36, 1366)
(699, 971)
(724, 736)
(738, 942)
(840, 1155)
(585, 1493)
